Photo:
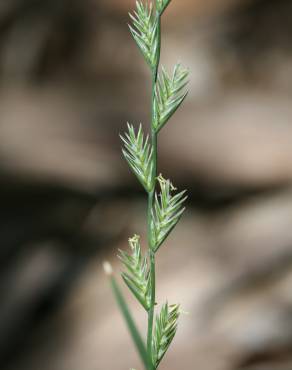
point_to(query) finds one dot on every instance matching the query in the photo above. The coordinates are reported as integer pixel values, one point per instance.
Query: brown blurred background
(70, 78)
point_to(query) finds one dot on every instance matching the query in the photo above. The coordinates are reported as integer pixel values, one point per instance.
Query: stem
(151, 199)
(158, 18)
(150, 246)
(131, 324)
(151, 311)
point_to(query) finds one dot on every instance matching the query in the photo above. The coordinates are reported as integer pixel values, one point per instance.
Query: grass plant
(165, 204)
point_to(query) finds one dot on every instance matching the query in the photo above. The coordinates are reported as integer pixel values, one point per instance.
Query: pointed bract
(144, 31)
(137, 275)
(166, 212)
(138, 153)
(169, 95)
(164, 331)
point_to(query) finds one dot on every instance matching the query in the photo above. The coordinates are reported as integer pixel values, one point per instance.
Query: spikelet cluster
(137, 272)
(165, 203)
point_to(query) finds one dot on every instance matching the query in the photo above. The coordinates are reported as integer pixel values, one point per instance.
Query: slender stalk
(151, 311)
(151, 196)
(130, 323)
(158, 18)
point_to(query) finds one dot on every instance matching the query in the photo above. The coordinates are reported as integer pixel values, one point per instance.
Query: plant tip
(107, 268)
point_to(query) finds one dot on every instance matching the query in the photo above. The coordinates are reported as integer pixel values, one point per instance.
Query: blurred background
(70, 79)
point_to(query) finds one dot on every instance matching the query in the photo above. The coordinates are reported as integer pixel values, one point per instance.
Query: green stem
(158, 18)
(151, 199)
(151, 247)
(131, 324)
(151, 311)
